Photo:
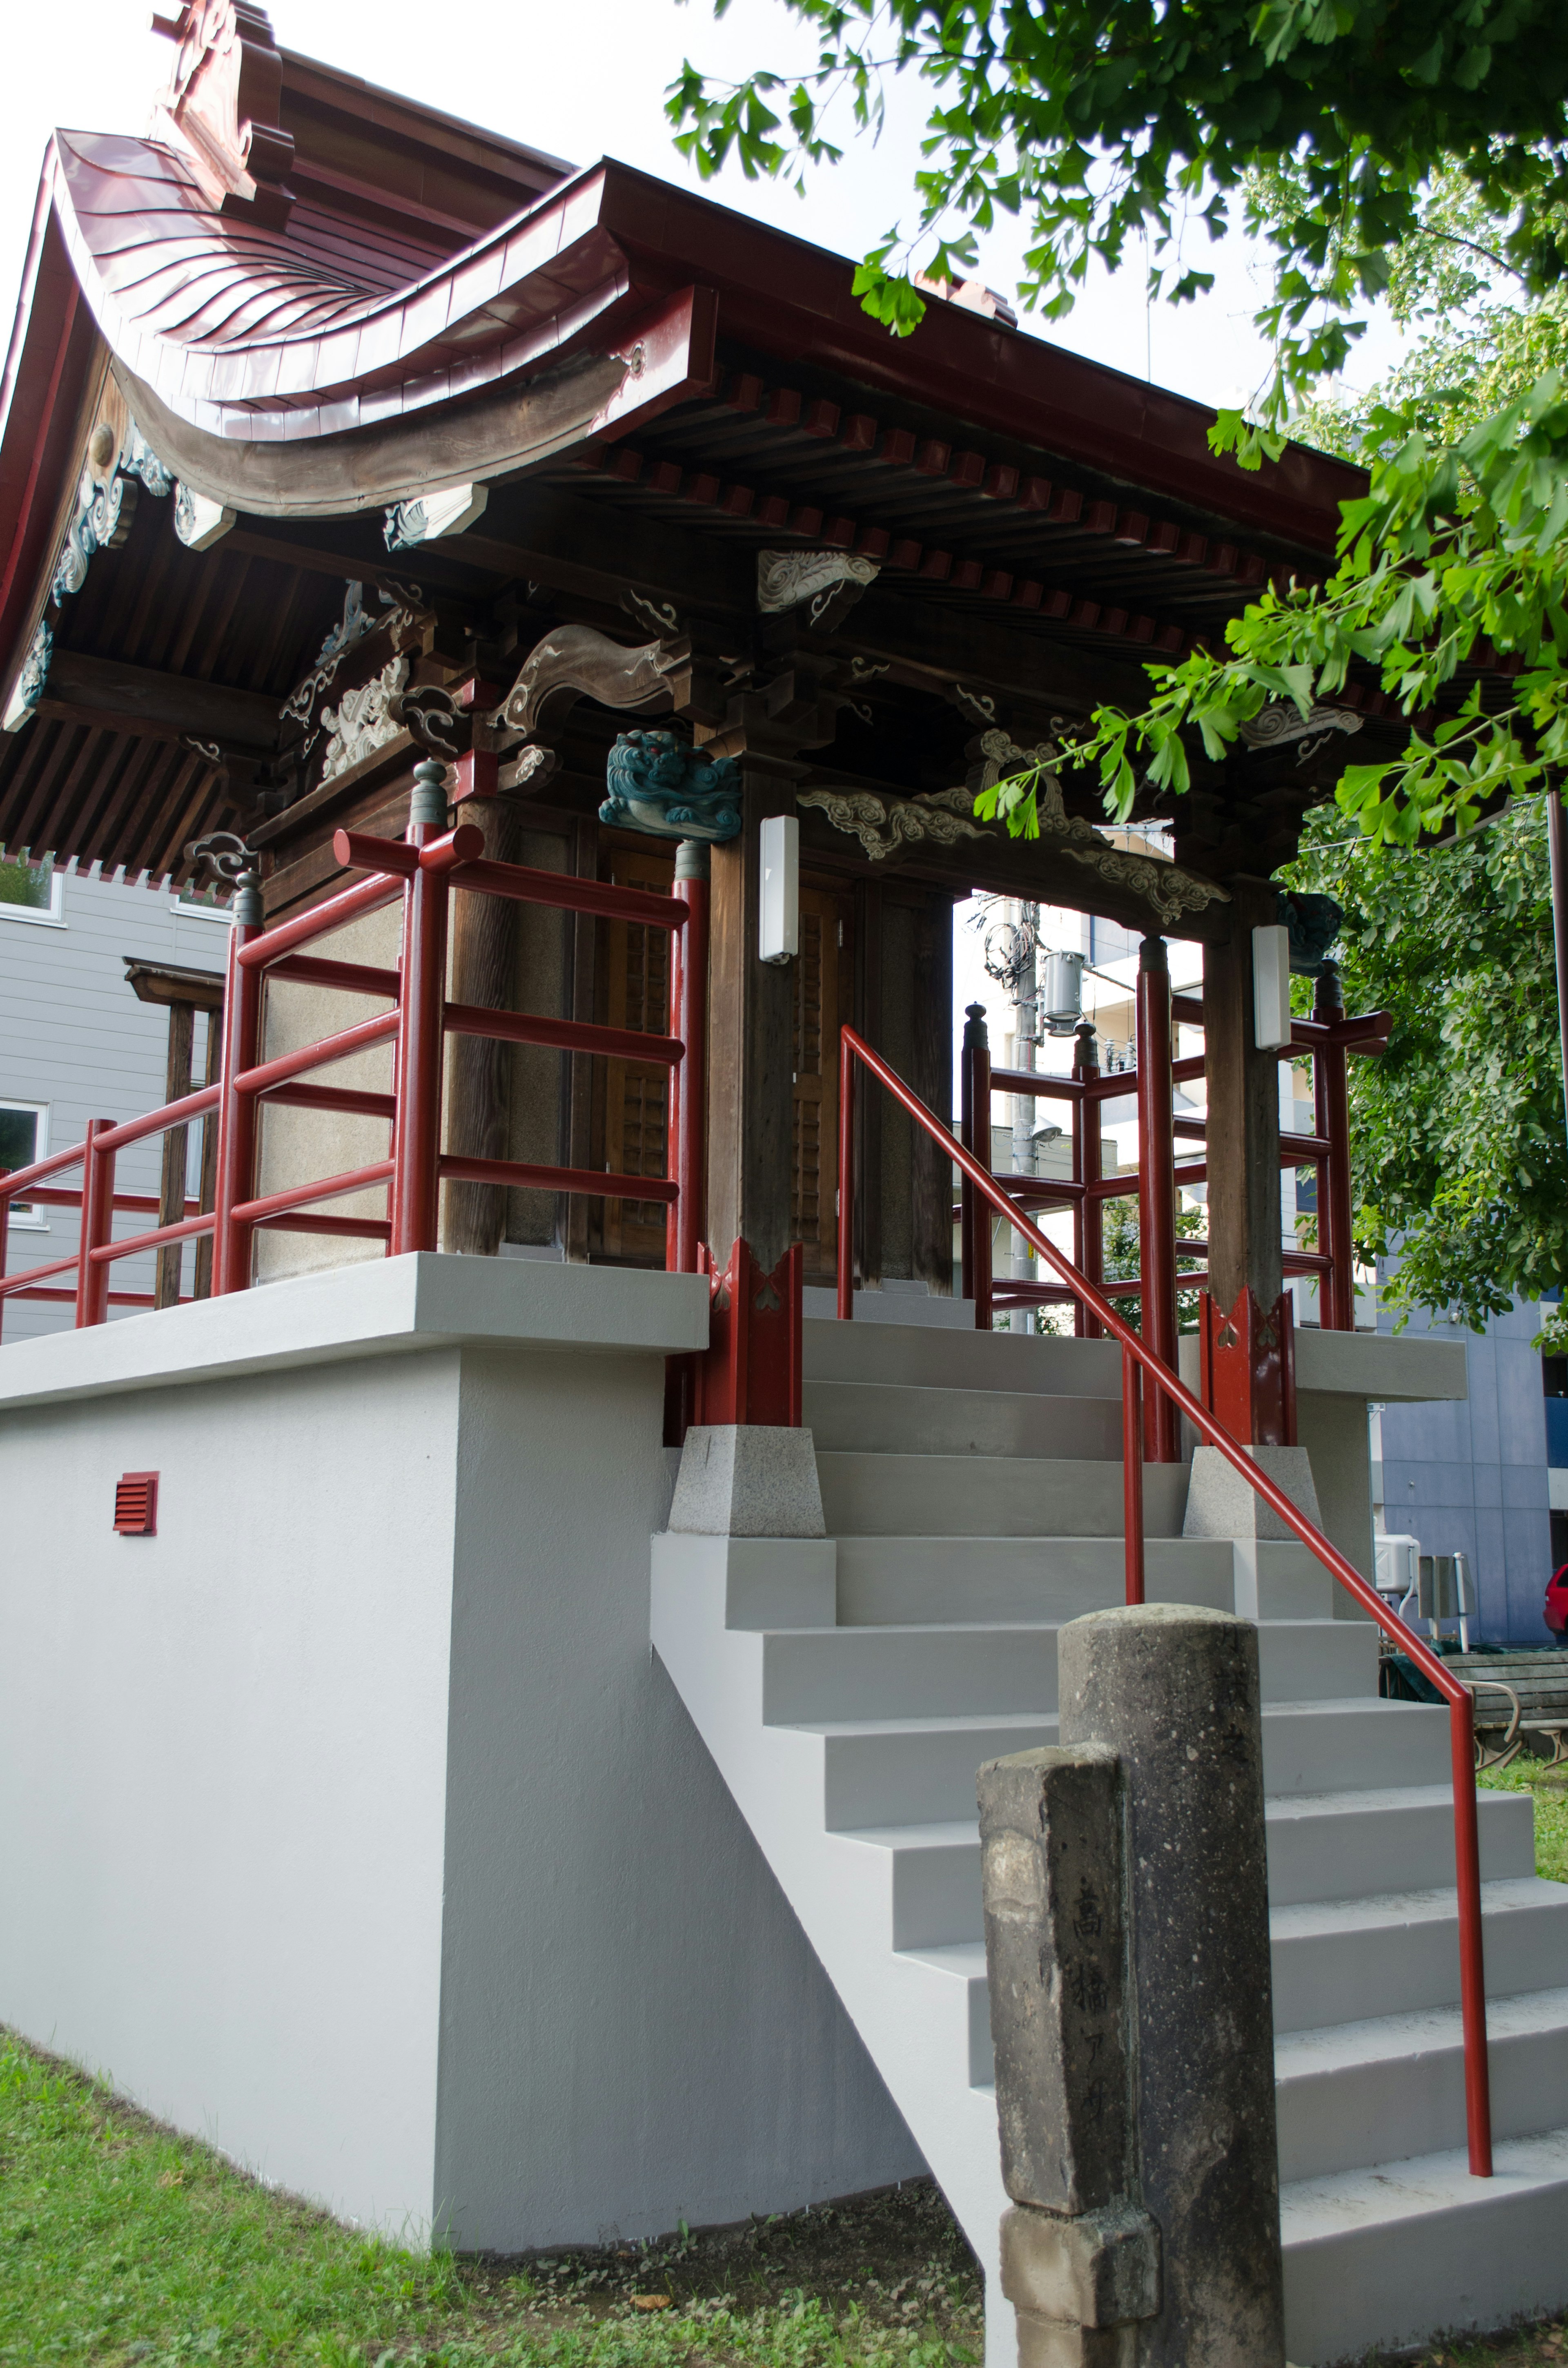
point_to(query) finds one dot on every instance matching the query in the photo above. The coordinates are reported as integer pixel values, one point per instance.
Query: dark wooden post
(171, 1196)
(1246, 1364)
(185, 992)
(975, 1037)
(933, 1081)
(202, 1287)
(1156, 1190)
(1089, 1217)
(483, 972)
(751, 1097)
(868, 1016)
(1337, 1289)
(1244, 1115)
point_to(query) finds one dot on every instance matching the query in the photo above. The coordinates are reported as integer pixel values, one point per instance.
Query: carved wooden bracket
(579, 662)
(225, 99)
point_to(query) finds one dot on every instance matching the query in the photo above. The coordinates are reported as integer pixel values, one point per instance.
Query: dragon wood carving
(658, 785)
(884, 824)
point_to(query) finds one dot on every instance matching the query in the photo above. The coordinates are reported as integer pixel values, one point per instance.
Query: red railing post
(846, 1178)
(4, 1236)
(417, 1129)
(1156, 1190)
(974, 1127)
(1472, 1961)
(237, 1118)
(1132, 1473)
(1088, 1216)
(1337, 1289)
(98, 1226)
(689, 956)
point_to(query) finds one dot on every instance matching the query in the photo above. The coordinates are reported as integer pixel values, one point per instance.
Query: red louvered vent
(136, 1505)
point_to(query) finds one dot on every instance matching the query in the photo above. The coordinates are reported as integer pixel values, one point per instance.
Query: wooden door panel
(637, 1093)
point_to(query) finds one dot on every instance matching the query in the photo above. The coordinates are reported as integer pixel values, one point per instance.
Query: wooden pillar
(578, 1068)
(933, 1081)
(1246, 1365)
(751, 1042)
(1244, 1115)
(484, 970)
(1088, 1165)
(1156, 1192)
(870, 1101)
(203, 1288)
(171, 1198)
(1337, 1232)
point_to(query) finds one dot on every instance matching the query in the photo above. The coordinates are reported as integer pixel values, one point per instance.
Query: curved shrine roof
(645, 382)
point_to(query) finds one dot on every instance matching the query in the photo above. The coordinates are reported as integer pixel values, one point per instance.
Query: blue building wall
(1472, 1474)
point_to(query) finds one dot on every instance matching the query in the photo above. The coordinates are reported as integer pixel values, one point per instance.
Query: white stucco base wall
(350, 1823)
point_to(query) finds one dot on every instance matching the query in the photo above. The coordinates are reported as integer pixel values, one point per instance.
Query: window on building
(24, 1137)
(29, 890)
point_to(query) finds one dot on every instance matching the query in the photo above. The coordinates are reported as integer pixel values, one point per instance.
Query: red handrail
(1326, 1039)
(1138, 1360)
(422, 870)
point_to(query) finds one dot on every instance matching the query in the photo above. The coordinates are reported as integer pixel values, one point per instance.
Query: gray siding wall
(1470, 1475)
(73, 1036)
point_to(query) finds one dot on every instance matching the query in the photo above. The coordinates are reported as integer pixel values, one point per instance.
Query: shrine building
(498, 1643)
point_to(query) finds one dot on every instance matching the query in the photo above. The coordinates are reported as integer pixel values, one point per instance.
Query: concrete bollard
(1173, 1689)
(1127, 1950)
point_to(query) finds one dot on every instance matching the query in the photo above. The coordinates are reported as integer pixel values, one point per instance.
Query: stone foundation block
(748, 1480)
(1221, 1503)
(1097, 2270)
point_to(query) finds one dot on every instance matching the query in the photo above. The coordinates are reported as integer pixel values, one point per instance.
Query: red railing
(96, 1250)
(422, 869)
(1140, 1361)
(1326, 1037)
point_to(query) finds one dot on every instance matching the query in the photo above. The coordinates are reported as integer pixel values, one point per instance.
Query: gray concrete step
(1351, 1960)
(888, 1418)
(991, 1495)
(1394, 2086)
(898, 1771)
(903, 1581)
(1368, 1839)
(924, 1356)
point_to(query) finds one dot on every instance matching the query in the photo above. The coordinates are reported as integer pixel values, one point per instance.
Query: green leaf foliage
(1457, 1129)
(1323, 120)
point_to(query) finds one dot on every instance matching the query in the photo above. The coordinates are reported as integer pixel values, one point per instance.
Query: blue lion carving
(660, 786)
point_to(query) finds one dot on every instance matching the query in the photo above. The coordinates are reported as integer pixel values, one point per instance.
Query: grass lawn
(1549, 1787)
(121, 2243)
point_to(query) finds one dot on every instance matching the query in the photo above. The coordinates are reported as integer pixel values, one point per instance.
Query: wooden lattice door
(637, 1093)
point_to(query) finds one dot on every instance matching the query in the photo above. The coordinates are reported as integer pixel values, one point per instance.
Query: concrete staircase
(848, 1690)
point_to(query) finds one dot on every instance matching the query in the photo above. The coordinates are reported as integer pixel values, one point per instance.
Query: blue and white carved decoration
(426, 516)
(199, 522)
(139, 459)
(28, 688)
(661, 787)
(100, 522)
